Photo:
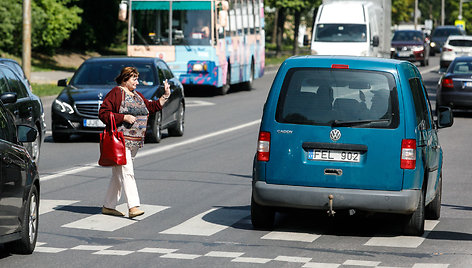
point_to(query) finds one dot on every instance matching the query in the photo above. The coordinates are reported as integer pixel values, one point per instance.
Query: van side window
(419, 100)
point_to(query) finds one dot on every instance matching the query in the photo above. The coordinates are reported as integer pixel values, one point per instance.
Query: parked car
(455, 46)
(410, 45)
(342, 133)
(19, 183)
(28, 108)
(75, 110)
(455, 86)
(440, 35)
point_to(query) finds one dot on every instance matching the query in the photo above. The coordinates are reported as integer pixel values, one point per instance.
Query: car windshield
(462, 67)
(337, 97)
(407, 36)
(104, 73)
(446, 32)
(341, 33)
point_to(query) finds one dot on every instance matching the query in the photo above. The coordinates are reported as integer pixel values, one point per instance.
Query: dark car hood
(72, 94)
(406, 43)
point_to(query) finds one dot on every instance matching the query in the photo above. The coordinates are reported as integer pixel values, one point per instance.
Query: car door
(12, 175)
(22, 109)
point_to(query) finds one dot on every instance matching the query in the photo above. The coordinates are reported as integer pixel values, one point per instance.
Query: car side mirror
(26, 133)
(62, 83)
(375, 41)
(445, 117)
(9, 97)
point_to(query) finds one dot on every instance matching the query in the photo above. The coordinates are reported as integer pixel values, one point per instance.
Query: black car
(28, 108)
(19, 183)
(75, 110)
(455, 86)
(410, 45)
(440, 35)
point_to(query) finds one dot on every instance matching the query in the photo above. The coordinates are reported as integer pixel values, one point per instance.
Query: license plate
(334, 155)
(467, 84)
(404, 54)
(93, 123)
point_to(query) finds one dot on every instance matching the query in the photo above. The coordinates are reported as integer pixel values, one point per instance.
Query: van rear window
(338, 97)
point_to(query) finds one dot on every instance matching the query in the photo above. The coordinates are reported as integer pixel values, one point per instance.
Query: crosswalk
(206, 224)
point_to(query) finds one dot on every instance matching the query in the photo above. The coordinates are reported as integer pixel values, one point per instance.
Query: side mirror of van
(375, 41)
(445, 117)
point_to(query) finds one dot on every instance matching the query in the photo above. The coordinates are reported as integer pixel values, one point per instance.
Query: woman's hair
(126, 74)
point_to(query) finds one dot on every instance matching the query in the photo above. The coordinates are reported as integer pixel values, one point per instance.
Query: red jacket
(112, 103)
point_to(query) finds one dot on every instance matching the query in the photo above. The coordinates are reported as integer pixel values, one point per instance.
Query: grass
(42, 90)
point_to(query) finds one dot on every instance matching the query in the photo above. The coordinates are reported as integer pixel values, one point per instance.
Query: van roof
(342, 13)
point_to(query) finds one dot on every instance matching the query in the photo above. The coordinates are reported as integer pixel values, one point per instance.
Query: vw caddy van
(342, 133)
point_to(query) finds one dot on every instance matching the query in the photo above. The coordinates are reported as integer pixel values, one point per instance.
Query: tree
(402, 10)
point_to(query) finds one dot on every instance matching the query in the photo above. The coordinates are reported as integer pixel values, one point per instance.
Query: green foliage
(42, 90)
(51, 20)
(402, 10)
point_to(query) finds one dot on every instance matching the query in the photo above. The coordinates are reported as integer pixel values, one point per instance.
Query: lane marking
(181, 256)
(91, 247)
(291, 236)
(157, 250)
(223, 254)
(321, 265)
(199, 226)
(403, 241)
(49, 249)
(113, 252)
(153, 151)
(106, 223)
(362, 263)
(48, 205)
(292, 259)
(197, 103)
(251, 260)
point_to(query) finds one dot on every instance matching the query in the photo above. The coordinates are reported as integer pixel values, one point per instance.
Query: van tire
(262, 217)
(414, 223)
(433, 209)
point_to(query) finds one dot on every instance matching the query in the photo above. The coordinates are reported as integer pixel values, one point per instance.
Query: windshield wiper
(340, 123)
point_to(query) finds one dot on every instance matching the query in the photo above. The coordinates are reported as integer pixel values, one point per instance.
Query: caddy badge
(335, 134)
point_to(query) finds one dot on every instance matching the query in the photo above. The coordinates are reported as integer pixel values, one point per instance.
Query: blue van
(342, 133)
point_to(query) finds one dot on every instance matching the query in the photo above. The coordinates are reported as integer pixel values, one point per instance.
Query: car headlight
(432, 44)
(417, 48)
(392, 49)
(63, 107)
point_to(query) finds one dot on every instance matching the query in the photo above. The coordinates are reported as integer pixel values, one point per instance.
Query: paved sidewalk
(50, 77)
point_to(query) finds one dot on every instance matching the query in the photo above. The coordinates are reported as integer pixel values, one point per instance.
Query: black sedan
(455, 86)
(410, 45)
(28, 108)
(19, 184)
(75, 110)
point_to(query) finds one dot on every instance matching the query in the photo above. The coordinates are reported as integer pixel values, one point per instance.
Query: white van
(349, 27)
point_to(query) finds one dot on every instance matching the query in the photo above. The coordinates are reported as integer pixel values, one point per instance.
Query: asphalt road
(196, 193)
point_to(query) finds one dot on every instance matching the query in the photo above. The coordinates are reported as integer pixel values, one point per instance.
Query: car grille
(88, 108)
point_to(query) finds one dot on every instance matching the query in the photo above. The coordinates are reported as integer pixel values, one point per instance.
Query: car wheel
(29, 226)
(156, 132)
(59, 137)
(414, 224)
(262, 217)
(35, 148)
(225, 88)
(433, 209)
(178, 128)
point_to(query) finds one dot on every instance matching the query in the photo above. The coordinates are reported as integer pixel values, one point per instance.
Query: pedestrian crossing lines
(213, 221)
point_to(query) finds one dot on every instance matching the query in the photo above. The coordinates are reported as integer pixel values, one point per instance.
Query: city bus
(205, 43)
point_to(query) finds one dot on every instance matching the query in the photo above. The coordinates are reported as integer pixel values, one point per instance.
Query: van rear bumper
(403, 202)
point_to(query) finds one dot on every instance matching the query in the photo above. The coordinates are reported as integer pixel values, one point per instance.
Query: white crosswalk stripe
(106, 223)
(48, 205)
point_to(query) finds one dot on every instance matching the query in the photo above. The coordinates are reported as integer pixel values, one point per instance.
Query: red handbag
(112, 146)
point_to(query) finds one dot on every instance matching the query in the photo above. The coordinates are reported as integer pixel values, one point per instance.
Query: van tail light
(408, 158)
(447, 83)
(263, 146)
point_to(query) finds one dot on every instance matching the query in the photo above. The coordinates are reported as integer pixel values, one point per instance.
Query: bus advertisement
(206, 43)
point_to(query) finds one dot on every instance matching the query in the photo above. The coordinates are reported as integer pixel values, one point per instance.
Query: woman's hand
(166, 94)
(129, 119)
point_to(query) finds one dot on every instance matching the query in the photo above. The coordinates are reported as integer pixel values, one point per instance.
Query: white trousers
(122, 178)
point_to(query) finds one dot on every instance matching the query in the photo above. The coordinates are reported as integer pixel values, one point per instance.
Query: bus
(211, 43)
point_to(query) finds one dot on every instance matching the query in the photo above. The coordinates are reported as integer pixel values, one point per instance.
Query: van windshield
(337, 97)
(341, 33)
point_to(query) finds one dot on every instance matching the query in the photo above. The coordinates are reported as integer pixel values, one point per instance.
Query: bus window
(244, 17)
(250, 9)
(191, 27)
(232, 18)
(150, 27)
(257, 13)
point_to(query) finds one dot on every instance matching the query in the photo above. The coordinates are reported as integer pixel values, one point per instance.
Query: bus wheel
(224, 89)
(248, 84)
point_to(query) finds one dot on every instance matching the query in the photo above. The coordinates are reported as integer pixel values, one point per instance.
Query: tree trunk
(280, 31)
(295, 34)
(274, 32)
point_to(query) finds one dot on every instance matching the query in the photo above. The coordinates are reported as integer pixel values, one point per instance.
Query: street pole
(442, 12)
(460, 10)
(416, 14)
(27, 38)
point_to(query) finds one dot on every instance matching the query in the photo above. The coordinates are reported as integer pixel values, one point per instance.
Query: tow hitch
(330, 203)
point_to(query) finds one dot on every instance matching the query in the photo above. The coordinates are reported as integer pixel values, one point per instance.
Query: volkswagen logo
(335, 134)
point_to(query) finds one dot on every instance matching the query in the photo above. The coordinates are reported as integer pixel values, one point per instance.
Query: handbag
(112, 146)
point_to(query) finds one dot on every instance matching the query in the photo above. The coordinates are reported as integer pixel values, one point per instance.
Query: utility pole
(416, 14)
(442, 12)
(27, 38)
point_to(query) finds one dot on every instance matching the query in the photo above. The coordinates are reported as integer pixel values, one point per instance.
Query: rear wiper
(339, 123)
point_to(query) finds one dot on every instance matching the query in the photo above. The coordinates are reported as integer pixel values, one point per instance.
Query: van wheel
(433, 209)
(262, 217)
(29, 225)
(156, 132)
(414, 224)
